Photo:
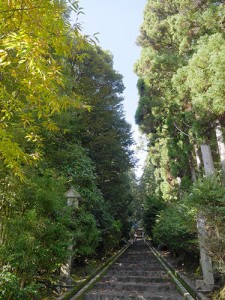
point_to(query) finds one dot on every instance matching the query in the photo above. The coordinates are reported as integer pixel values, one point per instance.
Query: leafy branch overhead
(36, 38)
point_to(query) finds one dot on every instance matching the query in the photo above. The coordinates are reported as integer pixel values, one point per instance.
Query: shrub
(175, 228)
(208, 197)
(85, 234)
(10, 288)
(153, 206)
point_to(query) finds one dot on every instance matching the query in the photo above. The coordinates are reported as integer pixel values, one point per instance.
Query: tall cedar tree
(106, 134)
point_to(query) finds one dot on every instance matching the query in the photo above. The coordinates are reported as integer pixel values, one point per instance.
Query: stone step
(136, 273)
(142, 253)
(135, 287)
(139, 255)
(134, 279)
(129, 296)
(138, 259)
(140, 264)
(130, 267)
(138, 252)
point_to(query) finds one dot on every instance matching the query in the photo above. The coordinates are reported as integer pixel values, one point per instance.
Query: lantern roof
(72, 193)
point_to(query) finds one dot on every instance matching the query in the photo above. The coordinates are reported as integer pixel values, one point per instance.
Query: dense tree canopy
(181, 89)
(106, 133)
(180, 80)
(62, 125)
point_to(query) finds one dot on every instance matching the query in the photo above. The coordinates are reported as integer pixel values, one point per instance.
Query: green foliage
(73, 161)
(37, 236)
(181, 89)
(176, 229)
(90, 145)
(147, 185)
(166, 183)
(85, 234)
(176, 225)
(207, 196)
(207, 193)
(49, 141)
(160, 113)
(153, 207)
(203, 76)
(180, 85)
(143, 114)
(36, 38)
(141, 86)
(34, 243)
(10, 288)
(112, 237)
(106, 133)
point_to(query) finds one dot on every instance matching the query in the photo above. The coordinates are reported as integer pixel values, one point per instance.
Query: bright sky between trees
(118, 23)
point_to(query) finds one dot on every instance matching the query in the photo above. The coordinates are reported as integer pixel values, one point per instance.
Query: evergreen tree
(107, 135)
(181, 90)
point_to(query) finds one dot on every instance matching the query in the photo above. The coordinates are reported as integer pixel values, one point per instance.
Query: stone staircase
(137, 274)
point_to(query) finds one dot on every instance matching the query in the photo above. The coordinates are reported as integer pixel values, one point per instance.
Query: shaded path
(137, 274)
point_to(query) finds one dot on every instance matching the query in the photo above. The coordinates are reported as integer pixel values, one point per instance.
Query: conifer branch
(180, 129)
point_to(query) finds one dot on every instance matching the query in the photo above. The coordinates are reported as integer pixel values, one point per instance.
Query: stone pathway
(137, 274)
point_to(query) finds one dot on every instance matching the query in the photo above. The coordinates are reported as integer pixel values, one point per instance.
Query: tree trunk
(205, 259)
(192, 168)
(198, 160)
(221, 145)
(207, 160)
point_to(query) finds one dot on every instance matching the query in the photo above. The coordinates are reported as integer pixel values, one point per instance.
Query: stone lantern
(73, 198)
